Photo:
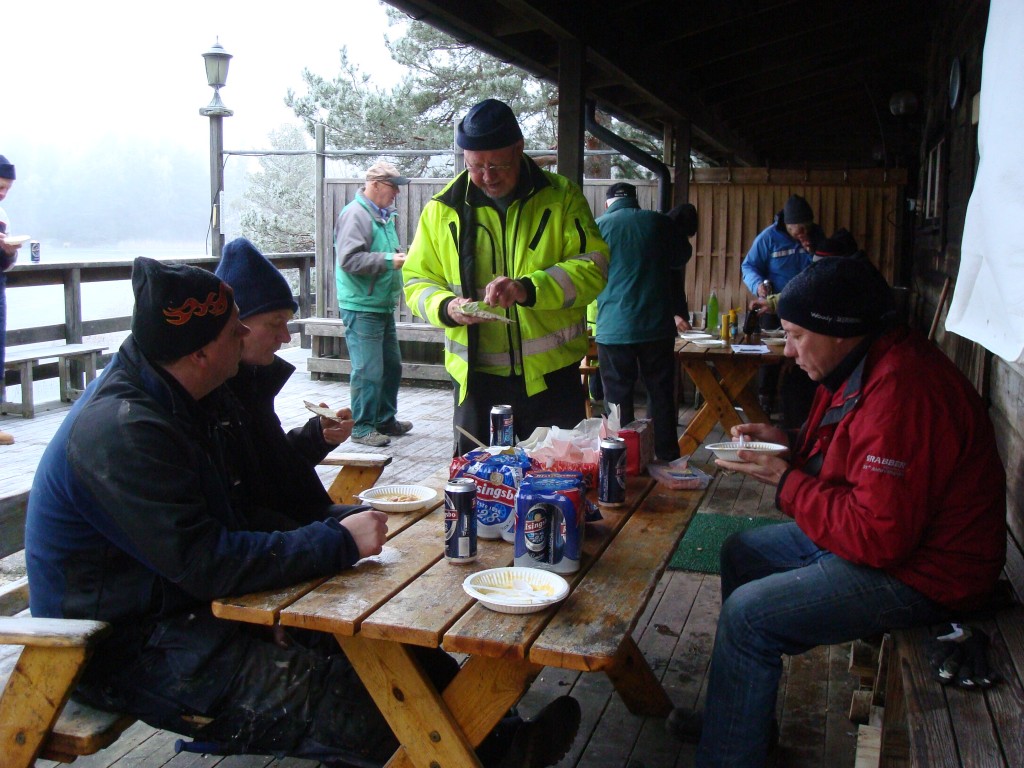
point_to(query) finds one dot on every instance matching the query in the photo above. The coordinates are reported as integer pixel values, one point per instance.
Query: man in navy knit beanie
(283, 474)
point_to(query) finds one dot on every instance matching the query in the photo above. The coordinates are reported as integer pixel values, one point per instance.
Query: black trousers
(655, 361)
(235, 690)
(560, 405)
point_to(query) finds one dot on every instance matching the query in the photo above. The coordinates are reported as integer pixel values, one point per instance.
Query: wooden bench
(928, 725)
(324, 333)
(42, 659)
(24, 360)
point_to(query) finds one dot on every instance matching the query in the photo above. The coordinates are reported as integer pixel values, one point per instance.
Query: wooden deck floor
(675, 635)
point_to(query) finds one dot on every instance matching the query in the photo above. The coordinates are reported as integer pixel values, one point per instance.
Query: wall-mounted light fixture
(903, 103)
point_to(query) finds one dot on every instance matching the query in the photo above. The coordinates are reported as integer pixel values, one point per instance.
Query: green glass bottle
(711, 322)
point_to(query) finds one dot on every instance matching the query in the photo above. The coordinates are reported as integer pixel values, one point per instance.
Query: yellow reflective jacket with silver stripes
(547, 237)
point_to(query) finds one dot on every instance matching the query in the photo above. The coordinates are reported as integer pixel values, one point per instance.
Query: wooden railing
(72, 274)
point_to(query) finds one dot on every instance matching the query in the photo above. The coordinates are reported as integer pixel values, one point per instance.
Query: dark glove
(959, 656)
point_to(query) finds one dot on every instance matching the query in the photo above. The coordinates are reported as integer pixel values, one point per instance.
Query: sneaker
(6, 438)
(395, 428)
(373, 438)
(547, 738)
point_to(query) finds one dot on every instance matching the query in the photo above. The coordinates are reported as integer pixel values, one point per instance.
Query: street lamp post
(217, 60)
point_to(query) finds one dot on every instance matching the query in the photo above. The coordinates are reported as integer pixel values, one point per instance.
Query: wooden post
(305, 310)
(570, 109)
(323, 242)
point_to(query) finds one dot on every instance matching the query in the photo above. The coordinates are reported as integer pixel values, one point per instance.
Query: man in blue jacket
(778, 254)
(782, 250)
(636, 311)
(133, 520)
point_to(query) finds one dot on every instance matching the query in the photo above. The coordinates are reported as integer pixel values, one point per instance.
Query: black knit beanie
(178, 308)
(841, 243)
(488, 125)
(797, 211)
(6, 169)
(258, 285)
(837, 297)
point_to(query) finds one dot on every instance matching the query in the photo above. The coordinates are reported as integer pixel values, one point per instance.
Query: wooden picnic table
(721, 376)
(411, 596)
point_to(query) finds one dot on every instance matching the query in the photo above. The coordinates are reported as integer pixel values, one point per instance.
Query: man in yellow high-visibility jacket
(522, 241)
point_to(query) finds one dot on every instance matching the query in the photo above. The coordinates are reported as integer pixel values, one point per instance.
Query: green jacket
(645, 279)
(365, 245)
(547, 239)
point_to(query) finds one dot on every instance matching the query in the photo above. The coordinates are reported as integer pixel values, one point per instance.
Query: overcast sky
(76, 72)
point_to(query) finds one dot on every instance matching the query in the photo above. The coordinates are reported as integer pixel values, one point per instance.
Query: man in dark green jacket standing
(635, 312)
(369, 280)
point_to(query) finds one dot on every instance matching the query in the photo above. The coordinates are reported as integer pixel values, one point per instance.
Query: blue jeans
(376, 368)
(782, 594)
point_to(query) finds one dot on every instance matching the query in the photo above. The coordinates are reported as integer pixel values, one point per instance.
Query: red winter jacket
(910, 480)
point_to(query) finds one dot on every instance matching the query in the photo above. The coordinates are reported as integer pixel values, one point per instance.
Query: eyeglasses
(476, 170)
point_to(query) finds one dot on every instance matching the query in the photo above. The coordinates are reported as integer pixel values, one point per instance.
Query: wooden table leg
(436, 729)
(633, 678)
(35, 695)
(717, 407)
(719, 398)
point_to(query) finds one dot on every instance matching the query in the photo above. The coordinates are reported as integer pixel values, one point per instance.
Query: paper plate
(774, 341)
(693, 335)
(544, 588)
(16, 239)
(709, 342)
(382, 497)
(727, 451)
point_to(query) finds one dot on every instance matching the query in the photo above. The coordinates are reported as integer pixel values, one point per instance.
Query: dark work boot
(546, 739)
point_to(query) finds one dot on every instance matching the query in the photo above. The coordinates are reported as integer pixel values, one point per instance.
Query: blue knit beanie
(6, 169)
(258, 285)
(488, 125)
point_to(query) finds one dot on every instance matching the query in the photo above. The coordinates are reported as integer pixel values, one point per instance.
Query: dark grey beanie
(488, 125)
(797, 211)
(837, 297)
(6, 169)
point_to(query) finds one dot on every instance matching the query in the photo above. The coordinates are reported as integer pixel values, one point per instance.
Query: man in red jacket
(897, 495)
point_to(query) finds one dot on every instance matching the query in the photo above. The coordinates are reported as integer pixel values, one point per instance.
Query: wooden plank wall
(734, 205)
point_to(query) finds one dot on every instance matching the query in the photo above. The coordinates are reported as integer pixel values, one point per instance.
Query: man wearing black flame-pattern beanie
(134, 495)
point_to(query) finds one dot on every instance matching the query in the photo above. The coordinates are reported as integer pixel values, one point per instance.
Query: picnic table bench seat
(25, 360)
(928, 725)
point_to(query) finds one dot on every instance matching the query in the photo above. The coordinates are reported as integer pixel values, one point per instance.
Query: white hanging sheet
(988, 302)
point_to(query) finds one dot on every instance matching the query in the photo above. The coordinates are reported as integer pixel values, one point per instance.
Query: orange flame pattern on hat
(214, 305)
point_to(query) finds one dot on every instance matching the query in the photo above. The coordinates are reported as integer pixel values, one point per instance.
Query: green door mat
(699, 548)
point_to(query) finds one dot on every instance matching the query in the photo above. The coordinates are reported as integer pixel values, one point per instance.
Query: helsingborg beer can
(33, 248)
(611, 475)
(460, 520)
(502, 426)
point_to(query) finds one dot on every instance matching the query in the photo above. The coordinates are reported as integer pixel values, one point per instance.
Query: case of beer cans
(550, 521)
(497, 477)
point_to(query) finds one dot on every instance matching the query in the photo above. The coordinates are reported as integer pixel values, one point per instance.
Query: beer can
(33, 247)
(502, 427)
(460, 520)
(611, 472)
